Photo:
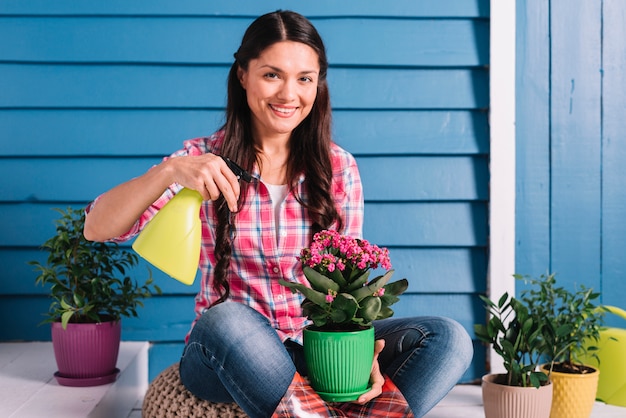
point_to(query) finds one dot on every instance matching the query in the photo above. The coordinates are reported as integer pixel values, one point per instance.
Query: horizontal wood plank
(411, 132)
(441, 270)
(161, 319)
(467, 309)
(47, 179)
(166, 318)
(203, 87)
(438, 224)
(19, 276)
(26, 313)
(123, 132)
(429, 270)
(162, 355)
(424, 178)
(213, 40)
(409, 88)
(450, 224)
(384, 178)
(252, 8)
(98, 132)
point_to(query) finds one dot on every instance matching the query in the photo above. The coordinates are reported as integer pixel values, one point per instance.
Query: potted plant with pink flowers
(342, 302)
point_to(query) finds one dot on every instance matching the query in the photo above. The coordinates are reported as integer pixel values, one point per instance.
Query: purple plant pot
(86, 352)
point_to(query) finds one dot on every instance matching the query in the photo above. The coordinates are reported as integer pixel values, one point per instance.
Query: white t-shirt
(278, 193)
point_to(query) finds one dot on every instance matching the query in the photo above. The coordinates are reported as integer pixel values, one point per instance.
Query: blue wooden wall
(95, 92)
(571, 136)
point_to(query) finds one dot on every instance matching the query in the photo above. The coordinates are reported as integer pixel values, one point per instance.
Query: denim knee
(234, 351)
(436, 347)
(228, 320)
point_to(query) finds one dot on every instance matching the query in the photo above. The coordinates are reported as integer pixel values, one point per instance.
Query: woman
(244, 345)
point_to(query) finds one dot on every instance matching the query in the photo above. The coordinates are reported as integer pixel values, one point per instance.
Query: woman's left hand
(376, 378)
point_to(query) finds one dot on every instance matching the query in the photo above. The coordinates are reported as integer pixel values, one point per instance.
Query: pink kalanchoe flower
(330, 251)
(341, 265)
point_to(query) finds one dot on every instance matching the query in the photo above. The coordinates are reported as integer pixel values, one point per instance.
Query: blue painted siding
(571, 148)
(613, 199)
(94, 93)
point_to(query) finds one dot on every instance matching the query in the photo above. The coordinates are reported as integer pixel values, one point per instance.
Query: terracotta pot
(502, 401)
(86, 352)
(574, 394)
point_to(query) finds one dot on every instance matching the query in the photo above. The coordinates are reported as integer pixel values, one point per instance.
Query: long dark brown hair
(309, 144)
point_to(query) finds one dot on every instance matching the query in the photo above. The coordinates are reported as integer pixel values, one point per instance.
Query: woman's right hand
(119, 208)
(209, 175)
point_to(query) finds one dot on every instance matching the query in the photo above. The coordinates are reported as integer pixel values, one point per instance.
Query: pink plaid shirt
(261, 254)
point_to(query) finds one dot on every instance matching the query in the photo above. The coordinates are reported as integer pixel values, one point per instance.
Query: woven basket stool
(168, 398)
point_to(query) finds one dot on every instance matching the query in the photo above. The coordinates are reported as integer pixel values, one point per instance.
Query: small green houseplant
(516, 336)
(83, 275)
(572, 323)
(90, 292)
(571, 320)
(342, 303)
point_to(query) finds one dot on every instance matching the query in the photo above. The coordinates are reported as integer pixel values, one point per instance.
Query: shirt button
(275, 269)
(283, 233)
(280, 297)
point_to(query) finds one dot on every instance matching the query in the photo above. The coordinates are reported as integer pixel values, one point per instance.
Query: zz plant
(516, 336)
(88, 280)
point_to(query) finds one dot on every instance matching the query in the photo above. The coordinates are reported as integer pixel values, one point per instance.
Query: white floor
(28, 389)
(464, 401)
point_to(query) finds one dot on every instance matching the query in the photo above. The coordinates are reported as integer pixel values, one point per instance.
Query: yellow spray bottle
(171, 240)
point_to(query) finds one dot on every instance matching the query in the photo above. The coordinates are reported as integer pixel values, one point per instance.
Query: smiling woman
(245, 342)
(280, 97)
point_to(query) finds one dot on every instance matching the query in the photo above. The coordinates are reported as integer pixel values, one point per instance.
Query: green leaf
(385, 312)
(396, 288)
(370, 307)
(344, 308)
(337, 277)
(564, 330)
(358, 282)
(311, 294)
(320, 282)
(503, 300)
(488, 303)
(64, 304)
(374, 286)
(78, 300)
(65, 318)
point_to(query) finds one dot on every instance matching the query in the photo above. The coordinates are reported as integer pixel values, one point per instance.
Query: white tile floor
(29, 390)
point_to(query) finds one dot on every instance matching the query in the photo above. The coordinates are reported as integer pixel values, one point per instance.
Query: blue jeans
(234, 354)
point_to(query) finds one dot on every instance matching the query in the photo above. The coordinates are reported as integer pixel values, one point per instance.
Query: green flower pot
(339, 362)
